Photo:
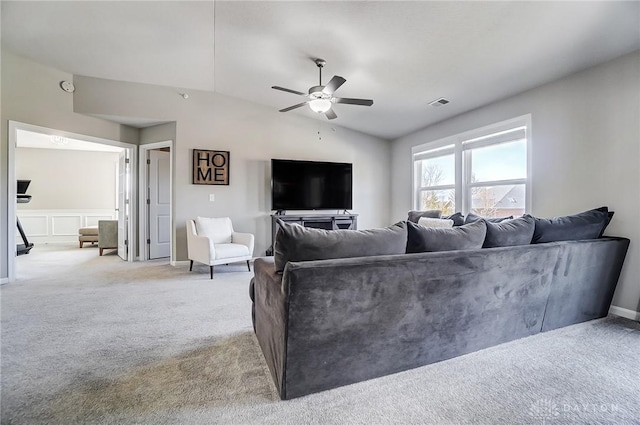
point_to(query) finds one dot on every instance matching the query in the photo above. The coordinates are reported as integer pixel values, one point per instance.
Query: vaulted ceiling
(401, 54)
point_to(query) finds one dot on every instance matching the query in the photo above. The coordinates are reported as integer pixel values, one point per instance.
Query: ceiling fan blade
(363, 102)
(333, 85)
(288, 90)
(293, 107)
(330, 114)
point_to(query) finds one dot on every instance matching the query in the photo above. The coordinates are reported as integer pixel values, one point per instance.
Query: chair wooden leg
(81, 243)
(101, 251)
(248, 265)
(211, 271)
(191, 265)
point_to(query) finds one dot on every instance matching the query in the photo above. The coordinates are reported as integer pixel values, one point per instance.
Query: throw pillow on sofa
(297, 243)
(426, 239)
(435, 222)
(518, 231)
(585, 225)
(414, 216)
(471, 217)
(458, 218)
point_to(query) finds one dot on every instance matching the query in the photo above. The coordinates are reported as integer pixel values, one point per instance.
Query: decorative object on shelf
(210, 167)
(321, 97)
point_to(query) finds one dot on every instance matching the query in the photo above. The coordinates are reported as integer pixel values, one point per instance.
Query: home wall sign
(210, 167)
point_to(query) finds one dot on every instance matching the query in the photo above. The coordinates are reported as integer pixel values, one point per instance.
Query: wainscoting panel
(35, 225)
(51, 226)
(92, 220)
(65, 225)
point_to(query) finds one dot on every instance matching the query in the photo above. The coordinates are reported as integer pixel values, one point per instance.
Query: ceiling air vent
(439, 102)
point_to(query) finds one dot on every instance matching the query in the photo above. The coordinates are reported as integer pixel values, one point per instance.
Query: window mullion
(498, 183)
(458, 176)
(466, 181)
(441, 187)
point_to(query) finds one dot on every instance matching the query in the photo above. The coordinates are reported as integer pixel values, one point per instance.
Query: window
(484, 171)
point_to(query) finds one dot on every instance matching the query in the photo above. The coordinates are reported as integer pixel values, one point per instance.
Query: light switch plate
(212, 197)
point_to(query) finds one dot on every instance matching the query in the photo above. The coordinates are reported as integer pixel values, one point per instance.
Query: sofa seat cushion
(518, 231)
(585, 225)
(298, 243)
(230, 250)
(88, 231)
(428, 239)
(219, 230)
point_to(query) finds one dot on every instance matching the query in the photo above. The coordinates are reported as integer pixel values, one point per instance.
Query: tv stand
(316, 221)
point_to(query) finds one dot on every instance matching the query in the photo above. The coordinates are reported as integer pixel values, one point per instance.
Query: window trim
(461, 146)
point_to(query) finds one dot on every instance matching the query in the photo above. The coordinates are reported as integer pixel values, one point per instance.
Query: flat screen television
(310, 185)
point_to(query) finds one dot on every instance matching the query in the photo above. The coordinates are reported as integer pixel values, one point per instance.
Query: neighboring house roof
(513, 199)
(501, 197)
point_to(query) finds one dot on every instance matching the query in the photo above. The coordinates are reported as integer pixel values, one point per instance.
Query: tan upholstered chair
(212, 241)
(107, 234)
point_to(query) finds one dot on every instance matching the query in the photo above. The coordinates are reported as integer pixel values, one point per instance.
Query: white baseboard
(623, 312)
(4, 280)
(180, 263)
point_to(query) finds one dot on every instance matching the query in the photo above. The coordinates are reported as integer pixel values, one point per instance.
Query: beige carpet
(95, 340)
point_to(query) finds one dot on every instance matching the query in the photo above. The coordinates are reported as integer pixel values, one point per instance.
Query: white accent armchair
(212, 241)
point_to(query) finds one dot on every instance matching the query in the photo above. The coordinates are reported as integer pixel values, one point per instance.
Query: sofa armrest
(246, 239)
(108, 233)
(271, 318)
(199, 248)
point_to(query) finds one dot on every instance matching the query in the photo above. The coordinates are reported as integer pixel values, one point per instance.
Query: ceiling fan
(321, 97)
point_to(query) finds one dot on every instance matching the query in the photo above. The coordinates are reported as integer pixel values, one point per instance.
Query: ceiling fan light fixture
(320, 105)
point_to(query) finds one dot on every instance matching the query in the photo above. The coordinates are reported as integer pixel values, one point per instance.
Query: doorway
(125, 207)
(156, 217)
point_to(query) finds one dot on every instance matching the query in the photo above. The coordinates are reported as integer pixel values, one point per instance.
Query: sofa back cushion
(471, 217)
(458, 218)
(297, 243)
(414, 216)
(426, 239)
(518, 231)
(585, 225)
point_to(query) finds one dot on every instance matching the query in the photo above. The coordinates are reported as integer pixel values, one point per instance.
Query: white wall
(31, 94)
(253, 134)
(68, 179)
(585, 152)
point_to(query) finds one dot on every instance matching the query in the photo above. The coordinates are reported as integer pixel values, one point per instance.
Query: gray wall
(31, 94)
(253, 134)
(68, 179)
(585, 152)
(158, 133)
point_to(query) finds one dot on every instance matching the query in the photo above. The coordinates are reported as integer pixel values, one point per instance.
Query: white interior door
(123, 204)
(159, 201)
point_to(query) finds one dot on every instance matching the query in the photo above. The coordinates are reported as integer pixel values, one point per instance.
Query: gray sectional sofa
(326, 323)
